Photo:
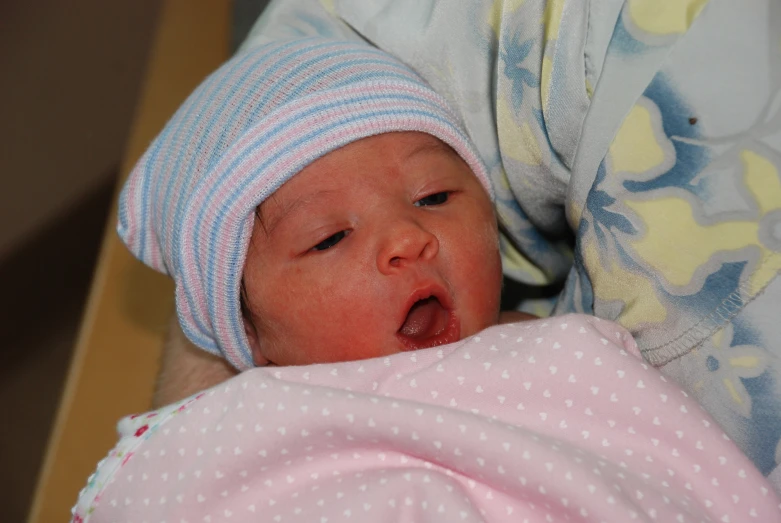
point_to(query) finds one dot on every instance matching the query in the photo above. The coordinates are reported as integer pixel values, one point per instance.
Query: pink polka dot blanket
(552, 420)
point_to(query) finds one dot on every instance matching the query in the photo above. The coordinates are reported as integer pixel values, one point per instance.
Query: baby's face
(388, 244)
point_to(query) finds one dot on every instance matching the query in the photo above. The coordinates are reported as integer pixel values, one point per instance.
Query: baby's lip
(450, 330)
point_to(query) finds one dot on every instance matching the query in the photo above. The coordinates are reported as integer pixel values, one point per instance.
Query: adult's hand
(185, 369)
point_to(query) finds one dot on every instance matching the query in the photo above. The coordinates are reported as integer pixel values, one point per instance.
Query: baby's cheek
(361, 352)
(354, 340)
(352, 325)
(482, 274)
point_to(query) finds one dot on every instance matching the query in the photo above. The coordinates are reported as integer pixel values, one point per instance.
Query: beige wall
(69, 78)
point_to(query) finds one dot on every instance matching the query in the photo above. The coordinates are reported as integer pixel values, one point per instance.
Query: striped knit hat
(187, 209)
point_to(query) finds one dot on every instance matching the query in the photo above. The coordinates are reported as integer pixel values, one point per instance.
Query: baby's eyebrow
(272, 222)
(431, 146)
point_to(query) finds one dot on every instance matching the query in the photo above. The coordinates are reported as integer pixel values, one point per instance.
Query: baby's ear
(254, 343)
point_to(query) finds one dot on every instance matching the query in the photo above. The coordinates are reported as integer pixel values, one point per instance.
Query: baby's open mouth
(428, 324)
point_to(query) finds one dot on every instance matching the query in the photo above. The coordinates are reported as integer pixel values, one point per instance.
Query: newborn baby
(316, 201)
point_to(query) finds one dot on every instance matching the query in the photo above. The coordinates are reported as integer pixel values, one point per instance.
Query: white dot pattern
(554, 420)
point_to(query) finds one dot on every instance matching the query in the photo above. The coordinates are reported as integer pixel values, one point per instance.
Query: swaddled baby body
(544, 421)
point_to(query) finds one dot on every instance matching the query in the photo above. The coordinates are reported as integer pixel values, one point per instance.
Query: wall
(70, 75)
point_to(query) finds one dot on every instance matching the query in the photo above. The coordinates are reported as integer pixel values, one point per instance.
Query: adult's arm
(185, 369)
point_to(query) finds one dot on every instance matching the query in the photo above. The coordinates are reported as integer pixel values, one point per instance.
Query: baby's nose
(405, 242)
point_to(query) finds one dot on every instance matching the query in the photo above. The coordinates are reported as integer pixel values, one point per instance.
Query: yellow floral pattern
(662, 17)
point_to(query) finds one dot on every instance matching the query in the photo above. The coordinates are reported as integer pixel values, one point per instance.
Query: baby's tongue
(425, 319)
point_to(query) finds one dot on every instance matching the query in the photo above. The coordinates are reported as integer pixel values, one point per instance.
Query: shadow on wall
(71, 75)
(44, 286)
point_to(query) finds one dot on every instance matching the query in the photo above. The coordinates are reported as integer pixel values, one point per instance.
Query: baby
(387, 244)
(316, 201)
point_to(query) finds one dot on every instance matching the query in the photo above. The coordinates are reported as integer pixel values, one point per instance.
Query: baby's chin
(290, 357)
(445, 330)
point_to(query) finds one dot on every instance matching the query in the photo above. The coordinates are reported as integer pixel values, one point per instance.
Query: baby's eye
(330, 241)
(433, 199)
